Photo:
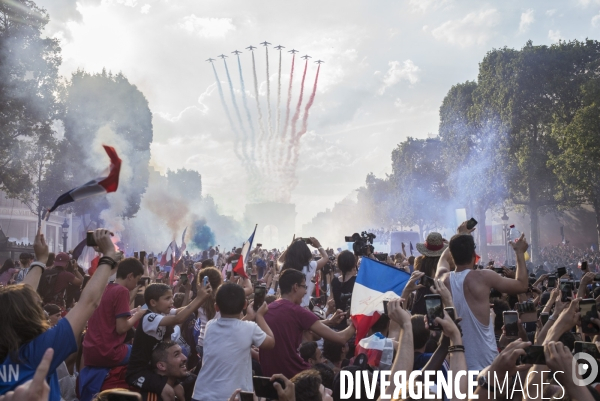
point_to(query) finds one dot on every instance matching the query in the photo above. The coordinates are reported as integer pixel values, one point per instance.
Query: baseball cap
(62, 259)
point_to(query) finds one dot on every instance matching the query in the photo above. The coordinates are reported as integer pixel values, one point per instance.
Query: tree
(29, 82)
(418, 180)
(474, 153)
(576, 165)
(185, 183)
(104, 109)
(529, 90)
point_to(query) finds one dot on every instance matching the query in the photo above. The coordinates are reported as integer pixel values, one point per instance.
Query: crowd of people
(281, 328)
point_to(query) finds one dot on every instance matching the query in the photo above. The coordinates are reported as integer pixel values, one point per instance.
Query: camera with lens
(329, 266)
(362, 244)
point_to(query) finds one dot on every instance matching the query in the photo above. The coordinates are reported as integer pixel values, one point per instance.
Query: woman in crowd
(426, 263)
(343, 285)
(7, 271)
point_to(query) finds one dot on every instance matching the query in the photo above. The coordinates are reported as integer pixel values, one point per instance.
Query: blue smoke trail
(236, 150)
(203, 236)
(237, 111)
(246, 107)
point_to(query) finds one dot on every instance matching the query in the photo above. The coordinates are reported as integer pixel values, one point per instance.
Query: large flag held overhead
(101, 185)
(376, 282)
(169, 252)
(240, 267)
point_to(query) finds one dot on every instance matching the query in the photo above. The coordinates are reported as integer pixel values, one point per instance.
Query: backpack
(47, 284)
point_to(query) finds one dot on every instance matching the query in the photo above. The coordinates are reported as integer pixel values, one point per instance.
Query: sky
(388, 65)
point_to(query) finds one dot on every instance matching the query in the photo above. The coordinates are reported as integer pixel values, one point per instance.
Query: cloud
(554, 35)
(596, 20)
(550, 13)
(526, 20)
(207, 27)
(146, 8)
(474, 28)
(408, 71)
(428, 5)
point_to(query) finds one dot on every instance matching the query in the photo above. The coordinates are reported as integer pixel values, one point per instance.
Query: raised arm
(405, 356)
(324, 257)
(92, 293)
(508, 285)
(40, 249)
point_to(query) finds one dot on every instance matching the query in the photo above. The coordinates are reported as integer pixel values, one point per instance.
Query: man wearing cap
(64, 278)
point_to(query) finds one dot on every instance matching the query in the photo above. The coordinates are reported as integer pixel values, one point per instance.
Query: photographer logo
(584, 365)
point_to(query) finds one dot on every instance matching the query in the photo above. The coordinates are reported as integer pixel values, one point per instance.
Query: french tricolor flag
(376, 282)
(99, 186)
(240, 267)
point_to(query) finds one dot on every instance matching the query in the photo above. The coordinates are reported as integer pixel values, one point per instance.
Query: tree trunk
(597, 211)
(483, 252)
(535, 237)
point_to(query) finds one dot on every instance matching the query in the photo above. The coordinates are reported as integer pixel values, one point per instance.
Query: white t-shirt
(310, 272)
(227, 363)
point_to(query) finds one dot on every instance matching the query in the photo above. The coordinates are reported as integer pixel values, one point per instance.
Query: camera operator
(342, 286)
(299, 257)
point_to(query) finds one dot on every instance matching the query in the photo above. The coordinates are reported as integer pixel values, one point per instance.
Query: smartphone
(246, 396)
(498, 270)
(511, 324)
(307, 241)
(551, 281)
(588, 348)
(597, 277)
(263, 387)
(544, 316)
(588, 310)
(89, 239)
(566, 290)
(136, 255)
(157, 268)
(433, 305)
(253, 278)
(534, 354)
(577, 284)
(183, 277)
(121, 395)
(142, 256)
(205, 281)
(426, 281)
(561, 271)
(260, 293)
(451, 312)
(471, 223)
(584, 265)
(385, 304)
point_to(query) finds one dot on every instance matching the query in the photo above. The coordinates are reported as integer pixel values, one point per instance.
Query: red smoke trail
(309, 104)
(297, 113)
(296, 138)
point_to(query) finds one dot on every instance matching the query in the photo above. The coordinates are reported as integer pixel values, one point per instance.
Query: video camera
(363, 245)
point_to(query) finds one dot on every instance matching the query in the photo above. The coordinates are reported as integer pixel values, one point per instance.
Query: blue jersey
(60, 338)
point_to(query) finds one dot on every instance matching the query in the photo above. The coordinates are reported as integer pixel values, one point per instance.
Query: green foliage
(29, 82)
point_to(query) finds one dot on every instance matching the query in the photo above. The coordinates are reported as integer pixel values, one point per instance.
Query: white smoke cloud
(396, 73)
(526, 20)
(207, 27)
(476, 28)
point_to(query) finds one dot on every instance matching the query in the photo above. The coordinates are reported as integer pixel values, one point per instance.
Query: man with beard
(169, 361)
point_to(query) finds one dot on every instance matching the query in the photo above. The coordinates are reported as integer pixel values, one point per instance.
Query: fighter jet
(210, 60)
(279, 47)
(265, 43)
(306, 57)
(236, 52)
(293, 51)
(319, 61)
(222, 56)
(251, 47)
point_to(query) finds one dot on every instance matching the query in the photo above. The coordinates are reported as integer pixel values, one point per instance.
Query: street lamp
(65, 230)
(504, 219)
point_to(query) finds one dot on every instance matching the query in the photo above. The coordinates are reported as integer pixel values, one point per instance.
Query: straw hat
(433, 246)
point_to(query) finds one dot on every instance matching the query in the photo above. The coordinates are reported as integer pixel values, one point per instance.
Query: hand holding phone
(511, 323)
(433, 305)
(263, 387)
(471, 223)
